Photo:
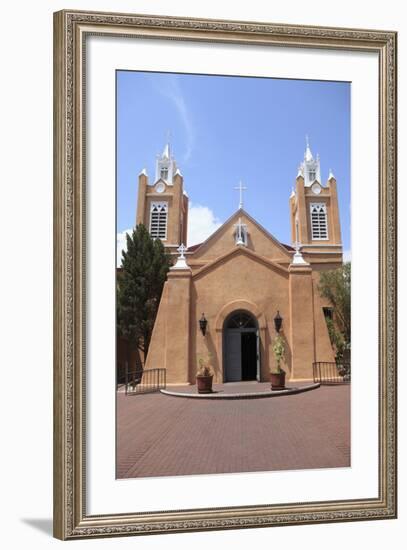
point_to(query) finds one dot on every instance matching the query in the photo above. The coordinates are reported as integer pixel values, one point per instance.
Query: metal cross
(241, 188)
(181, 249)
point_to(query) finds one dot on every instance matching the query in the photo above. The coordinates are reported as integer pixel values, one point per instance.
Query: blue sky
(226, 129)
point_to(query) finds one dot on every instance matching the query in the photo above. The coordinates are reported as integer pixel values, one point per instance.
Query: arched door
(241, 347)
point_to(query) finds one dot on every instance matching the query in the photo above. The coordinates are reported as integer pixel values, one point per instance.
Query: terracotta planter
(204, 384)
(277, 380)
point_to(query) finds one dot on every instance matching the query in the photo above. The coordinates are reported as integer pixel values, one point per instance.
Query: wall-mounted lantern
(278, 321)
(203, 324)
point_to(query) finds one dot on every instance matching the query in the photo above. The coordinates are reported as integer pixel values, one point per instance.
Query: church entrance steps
(239, 391)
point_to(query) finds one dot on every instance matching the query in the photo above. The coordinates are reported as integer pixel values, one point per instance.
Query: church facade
(240, 280)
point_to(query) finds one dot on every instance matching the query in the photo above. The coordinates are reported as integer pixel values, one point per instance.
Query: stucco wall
(239, 282)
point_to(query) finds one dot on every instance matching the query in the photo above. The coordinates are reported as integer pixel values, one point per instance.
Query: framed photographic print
(225, 274)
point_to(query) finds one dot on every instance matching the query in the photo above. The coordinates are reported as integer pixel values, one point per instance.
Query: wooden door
(233, 356)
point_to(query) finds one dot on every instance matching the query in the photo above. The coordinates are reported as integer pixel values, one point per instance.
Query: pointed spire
(165, 164)
(166, 152)
(311, 167)
(300, 173)
(292, 192)
(308, 154)
(331, 175)
(167, 149)
(143, 172)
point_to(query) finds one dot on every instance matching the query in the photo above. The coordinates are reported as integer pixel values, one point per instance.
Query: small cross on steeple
(181, 261)
(181, 249)
(240, 188)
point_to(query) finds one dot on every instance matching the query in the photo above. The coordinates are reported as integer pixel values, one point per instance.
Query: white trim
(325, 252)
(322, 245)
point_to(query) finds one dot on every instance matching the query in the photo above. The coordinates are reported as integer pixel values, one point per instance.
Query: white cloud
(173, 92)
(202, 222)
(347, 256)
(121, 244)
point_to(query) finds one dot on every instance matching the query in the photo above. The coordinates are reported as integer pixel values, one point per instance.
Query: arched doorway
(241, 347)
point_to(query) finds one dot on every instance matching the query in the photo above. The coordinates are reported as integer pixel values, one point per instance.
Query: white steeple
(310, 168)
(165, 167)
(166, 152)
(308, 154)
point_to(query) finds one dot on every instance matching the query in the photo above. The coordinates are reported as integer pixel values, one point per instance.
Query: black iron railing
(144, 381)
(326, 372)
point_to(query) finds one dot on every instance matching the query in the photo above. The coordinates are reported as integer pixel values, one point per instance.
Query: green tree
(335, 285)
(139, 287)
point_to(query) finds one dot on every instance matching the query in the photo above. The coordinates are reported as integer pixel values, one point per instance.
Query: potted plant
(204, 375)
(277, 376)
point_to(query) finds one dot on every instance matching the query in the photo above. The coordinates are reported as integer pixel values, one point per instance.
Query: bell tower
(314, 212)
(162, 206)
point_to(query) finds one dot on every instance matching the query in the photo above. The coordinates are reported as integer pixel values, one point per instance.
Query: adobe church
(241, 280)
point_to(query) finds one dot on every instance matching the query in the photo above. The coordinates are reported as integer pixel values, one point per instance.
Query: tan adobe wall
(240, 281)
(177, 207)
(300, 206)
(223, 241)
(248, 284)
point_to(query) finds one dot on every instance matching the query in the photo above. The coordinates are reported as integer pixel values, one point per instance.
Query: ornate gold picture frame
(72, 519)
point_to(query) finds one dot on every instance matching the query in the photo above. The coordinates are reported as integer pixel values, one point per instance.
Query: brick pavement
(159, 435)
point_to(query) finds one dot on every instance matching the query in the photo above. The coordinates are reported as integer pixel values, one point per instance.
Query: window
(158, 220)
(328, 313)
(241, 319)
(164, 173)
(241, 233)
(312, 174)
(319, 225)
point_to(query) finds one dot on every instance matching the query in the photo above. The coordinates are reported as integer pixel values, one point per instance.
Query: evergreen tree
(144, 269)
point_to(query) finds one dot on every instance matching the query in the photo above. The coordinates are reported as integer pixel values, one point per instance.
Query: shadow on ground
(40, 524)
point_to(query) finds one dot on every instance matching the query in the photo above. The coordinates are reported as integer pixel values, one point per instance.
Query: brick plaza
(161, 435)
